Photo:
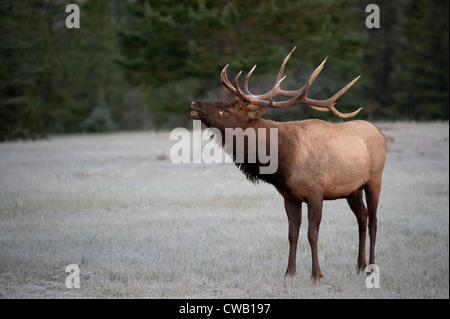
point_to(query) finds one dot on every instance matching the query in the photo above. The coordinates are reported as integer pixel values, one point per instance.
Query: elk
(317, 160)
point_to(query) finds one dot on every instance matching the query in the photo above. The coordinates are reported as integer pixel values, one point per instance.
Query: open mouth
(195, 113)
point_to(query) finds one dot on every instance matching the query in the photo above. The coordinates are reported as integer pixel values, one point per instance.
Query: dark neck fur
(251, 170)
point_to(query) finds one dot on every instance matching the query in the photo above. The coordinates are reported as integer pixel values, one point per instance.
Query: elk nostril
(193, 104)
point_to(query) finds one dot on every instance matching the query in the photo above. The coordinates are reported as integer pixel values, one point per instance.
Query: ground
(138, 225)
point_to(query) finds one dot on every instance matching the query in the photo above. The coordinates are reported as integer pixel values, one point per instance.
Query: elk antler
(298, 96)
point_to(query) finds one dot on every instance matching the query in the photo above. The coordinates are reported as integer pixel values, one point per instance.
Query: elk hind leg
(359, 209)
(372, 196)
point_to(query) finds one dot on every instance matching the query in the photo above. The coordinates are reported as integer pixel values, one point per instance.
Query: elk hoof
(289, 274)
(360, 268)
(316, 278)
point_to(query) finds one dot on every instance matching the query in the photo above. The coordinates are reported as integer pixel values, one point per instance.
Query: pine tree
(27, 35)
(422, 82)
(51, 76)
(380, 61)
(86, 68)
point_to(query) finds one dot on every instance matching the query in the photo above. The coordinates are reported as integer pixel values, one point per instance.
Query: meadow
(140, 226)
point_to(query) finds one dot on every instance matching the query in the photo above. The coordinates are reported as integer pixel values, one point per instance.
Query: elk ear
(254, 111)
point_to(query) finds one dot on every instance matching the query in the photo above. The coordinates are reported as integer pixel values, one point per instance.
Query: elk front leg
(314, 218)
(294, 215)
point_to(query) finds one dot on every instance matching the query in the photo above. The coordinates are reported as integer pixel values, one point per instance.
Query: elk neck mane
(250, 170)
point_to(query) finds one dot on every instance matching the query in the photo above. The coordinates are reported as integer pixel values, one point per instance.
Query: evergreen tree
(421, 81)
(381, 59)
(27, 36)
(85, 68)
(51, 76)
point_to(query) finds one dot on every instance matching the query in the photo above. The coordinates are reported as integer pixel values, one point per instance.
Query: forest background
(137, 65)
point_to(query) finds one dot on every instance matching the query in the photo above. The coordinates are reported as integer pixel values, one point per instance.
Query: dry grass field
(139, 226)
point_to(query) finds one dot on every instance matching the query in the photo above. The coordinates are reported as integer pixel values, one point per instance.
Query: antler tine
(238, 89)
(319, 109)
(332, 100)
(304, 89)
(280, 73)
(313, 77)
(236, 81)
(338, 95)
(246, 80)
(344, 89)
(271, 91)
(275, 89)
(226, 82)
(344, 115)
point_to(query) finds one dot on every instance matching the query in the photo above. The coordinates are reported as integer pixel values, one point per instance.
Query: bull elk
(317, 160)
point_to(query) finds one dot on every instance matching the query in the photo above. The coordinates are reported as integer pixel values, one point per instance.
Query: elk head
(247, 107)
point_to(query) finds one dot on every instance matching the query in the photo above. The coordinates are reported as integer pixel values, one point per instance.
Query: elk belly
(348, 174)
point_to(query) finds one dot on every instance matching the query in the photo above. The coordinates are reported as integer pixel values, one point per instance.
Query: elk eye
(222, 112)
